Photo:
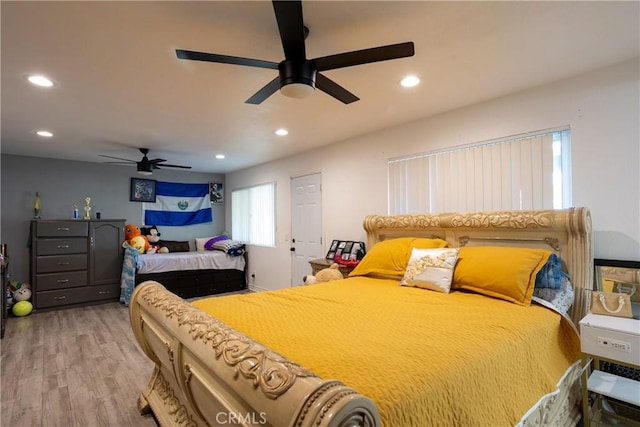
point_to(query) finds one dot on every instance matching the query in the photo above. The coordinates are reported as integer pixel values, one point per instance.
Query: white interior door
(306, 225)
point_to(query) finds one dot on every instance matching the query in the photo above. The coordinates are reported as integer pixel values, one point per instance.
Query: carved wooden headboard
(567, 232)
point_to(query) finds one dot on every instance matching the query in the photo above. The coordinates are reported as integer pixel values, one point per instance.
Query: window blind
(529, 172)
(253, 214)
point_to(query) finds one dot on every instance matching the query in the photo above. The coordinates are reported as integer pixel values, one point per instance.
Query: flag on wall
(178, 204)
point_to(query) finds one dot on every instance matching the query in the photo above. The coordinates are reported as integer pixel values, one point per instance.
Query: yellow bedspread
(424, 358)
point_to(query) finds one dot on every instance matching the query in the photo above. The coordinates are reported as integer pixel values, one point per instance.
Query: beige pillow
(431, 269)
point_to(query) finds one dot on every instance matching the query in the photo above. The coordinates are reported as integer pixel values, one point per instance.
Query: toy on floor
(134, 238)
(22, 308)
(153, 236)
(17, 291)
(324, 275)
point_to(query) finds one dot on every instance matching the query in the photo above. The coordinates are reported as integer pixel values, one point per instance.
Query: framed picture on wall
(143, 190)
(216, 192)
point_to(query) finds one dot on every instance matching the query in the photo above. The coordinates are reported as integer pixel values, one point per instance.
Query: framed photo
(143, 190)
(346, 250)
(332, 250)
(216, 192)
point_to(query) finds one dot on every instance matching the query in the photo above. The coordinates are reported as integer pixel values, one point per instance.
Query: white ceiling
(120, 85)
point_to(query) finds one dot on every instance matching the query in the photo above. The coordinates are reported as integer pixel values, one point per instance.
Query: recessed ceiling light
(44, 133)
(410, 81)
(220, 156)
(39, 80)
(282, 132)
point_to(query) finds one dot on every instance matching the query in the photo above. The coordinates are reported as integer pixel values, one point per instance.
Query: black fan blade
(334, 89)
(117, 158)
(121, 163)
(164, 165)
(225, 59)
(291, 26)
(156, 161)
(365, 56)
(268, 90)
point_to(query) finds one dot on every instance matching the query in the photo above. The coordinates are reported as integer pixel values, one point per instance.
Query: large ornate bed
(208, 372)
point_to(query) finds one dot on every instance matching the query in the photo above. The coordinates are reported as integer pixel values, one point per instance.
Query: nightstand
(616, 340)
(322, 263)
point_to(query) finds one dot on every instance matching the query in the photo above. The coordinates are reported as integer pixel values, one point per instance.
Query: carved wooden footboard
(209, 374)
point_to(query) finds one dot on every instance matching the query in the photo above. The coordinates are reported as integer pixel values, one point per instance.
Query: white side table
(610, 339)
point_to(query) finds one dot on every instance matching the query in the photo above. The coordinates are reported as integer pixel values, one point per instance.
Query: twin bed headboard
(567, 232)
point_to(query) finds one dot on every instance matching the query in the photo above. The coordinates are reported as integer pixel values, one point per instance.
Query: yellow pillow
(507, 273)
(390, 257)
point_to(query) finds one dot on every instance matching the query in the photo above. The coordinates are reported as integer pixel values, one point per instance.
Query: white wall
(601, 107)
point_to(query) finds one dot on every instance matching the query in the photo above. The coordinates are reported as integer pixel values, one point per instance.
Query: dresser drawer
(61, 228)
(103, 292)
(46, 299)
(75, 245)
(69, 279)
(55, 263)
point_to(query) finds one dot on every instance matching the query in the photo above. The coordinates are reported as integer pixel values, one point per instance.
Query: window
(253, 215)
(526, 172)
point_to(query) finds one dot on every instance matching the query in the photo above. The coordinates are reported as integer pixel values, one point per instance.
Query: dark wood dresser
(75, 262)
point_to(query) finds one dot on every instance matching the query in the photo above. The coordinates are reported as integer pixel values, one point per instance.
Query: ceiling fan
(145, 166)
(299, 76)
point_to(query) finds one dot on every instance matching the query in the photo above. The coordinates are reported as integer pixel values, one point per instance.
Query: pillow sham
(390, 257)
(209, 245)
(431, 269)
(507, 273)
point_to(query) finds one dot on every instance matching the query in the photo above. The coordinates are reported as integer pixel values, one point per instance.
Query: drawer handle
(63, 280)
(103, 292)
(63, 263)
(63, 246)
(59, 298)
(63, 228)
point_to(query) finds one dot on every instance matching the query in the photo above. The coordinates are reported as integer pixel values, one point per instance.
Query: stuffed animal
(134, 238)
(22, 294)
(324, 275)
(18, 291)
(153, 236)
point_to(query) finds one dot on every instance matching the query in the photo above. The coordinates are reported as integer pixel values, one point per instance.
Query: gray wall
(61, 183)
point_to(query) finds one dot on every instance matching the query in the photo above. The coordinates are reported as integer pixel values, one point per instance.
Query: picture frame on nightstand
(347, 250)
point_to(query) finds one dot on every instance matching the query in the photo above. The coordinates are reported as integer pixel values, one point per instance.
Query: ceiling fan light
(297, 90)
(144, 169)
(410, 81)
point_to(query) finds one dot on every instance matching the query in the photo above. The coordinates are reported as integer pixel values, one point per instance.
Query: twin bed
(194, 274)
(368, 351)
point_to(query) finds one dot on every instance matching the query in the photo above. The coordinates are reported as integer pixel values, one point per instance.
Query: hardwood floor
(76, 367)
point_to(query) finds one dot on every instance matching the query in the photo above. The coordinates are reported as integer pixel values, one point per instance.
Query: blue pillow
(551, 274)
